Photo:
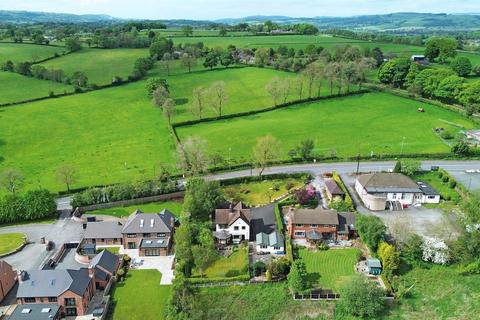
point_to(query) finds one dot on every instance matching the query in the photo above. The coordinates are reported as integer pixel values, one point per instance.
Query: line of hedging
(460, 188)
(268, 109)
(32, 205)
(405, 94)
(242, 278)
(279, 218)
(273, 176)
(348, 198)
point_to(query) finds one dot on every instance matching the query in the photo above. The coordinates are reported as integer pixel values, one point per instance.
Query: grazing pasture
(100, 65)
(373, 123)
(16, 87)
(110, 135)
(18, 52)
(295, 41)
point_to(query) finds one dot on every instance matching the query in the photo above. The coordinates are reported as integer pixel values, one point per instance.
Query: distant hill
(393, 21)
(42, 17)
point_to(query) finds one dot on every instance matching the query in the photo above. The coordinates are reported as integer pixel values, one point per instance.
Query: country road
(455, 167)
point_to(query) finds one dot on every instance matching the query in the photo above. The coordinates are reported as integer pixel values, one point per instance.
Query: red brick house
(320, 224)
(150, 233)
(8, 278)
(72, 290)
(106, 265)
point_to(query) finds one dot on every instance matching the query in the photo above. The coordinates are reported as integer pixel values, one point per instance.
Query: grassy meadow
(140, 296)
(295, 41)
(110, 135)
(370, 123)
(16, 87)
(18, 52)
(100, 65)
(330, 269)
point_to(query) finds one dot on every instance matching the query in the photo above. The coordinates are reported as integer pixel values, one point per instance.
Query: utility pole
(403, 142)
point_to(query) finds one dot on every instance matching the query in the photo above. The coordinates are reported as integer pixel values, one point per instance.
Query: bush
(452, 184)
(445, 179)
(34, 204)
(322, 246)
(258, 268)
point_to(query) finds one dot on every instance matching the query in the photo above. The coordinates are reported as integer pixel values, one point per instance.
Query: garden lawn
(110, 135)
(175, 207)
(140, 296)
(235, 265)
(26, 52)
(330, 269)
(262, 192)
(438, 293)
(297, 42)
(114, 250)
(257, 302)
(373, 123)
(100, 65)
(10, 242)
(16, 87)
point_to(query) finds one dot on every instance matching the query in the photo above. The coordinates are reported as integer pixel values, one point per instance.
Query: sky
(216, 9)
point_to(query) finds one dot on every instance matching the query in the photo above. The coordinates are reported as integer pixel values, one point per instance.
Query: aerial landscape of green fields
(239, 161)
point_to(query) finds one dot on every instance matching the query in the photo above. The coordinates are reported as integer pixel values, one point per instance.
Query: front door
(132, 245)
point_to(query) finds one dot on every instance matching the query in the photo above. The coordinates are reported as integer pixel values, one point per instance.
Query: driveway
(34, 254)
(162, 263)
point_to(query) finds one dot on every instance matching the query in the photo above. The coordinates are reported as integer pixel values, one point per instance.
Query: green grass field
(100, 65)
(235, 265)
(331, 268)
(10, 241)
(245, 87)
(196, 33)
(295, 41)
(374, 122)
(14, 87)
(26, 52)
(140, 296)
(438, 293)
(112, 135)
(175, 207)
(257, 302)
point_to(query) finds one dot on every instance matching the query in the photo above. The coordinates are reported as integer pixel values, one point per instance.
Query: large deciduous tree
(12, 180)
(218, 96)
(371, 230)
(189, 61)
(202, 198)
(197, 107)
(67, 175)
(266, 150)
(192, 156)
(361, 298)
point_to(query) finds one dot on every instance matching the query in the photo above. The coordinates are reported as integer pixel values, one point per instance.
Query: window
(132, 245)
(103, 240)
(236, 236)
(131, 235)
(161, 235)
(52, 299)
(404, 195)
(235, 228)
(70, 302)
(313, 225)
(431, 197)
(29, 300)
(394, 196)
(146, 235)
(298, 225)
(263, 246)
(276, 248)
(299, 233)
(243, 228)
(71, 311)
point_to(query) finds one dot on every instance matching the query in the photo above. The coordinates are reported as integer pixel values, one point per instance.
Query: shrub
(452, 184)
(259, 267)
(34, 204)
(322, 246)
(445, 179)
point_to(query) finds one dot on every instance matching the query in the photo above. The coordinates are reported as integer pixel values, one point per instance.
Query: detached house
(265, 231)
(71, 290)
(319, 224)
(232, 224)
(150, 233)
(380, 191)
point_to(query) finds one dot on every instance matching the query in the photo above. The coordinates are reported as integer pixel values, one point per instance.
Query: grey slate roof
(35, 311)
(381, 182)
(103, 230)
(52, 283)
(333, 187)
(274, 239)
(263, 220)
(315, 216)
(346, 222)
(106, 260)
(427, 189)
(152, 222)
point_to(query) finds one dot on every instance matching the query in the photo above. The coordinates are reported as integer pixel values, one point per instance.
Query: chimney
(172, 222)
(91, 271)
(231, 207)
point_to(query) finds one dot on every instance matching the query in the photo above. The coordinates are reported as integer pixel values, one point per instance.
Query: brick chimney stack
(91, 271)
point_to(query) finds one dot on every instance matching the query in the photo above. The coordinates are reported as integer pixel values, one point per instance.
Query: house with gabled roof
(264, 229)
(232, 224)
(150, 233)
(71, 290)
(105, 265)
(8, 278)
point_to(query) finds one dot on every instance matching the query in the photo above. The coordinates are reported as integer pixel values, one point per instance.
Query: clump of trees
(371, 230)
